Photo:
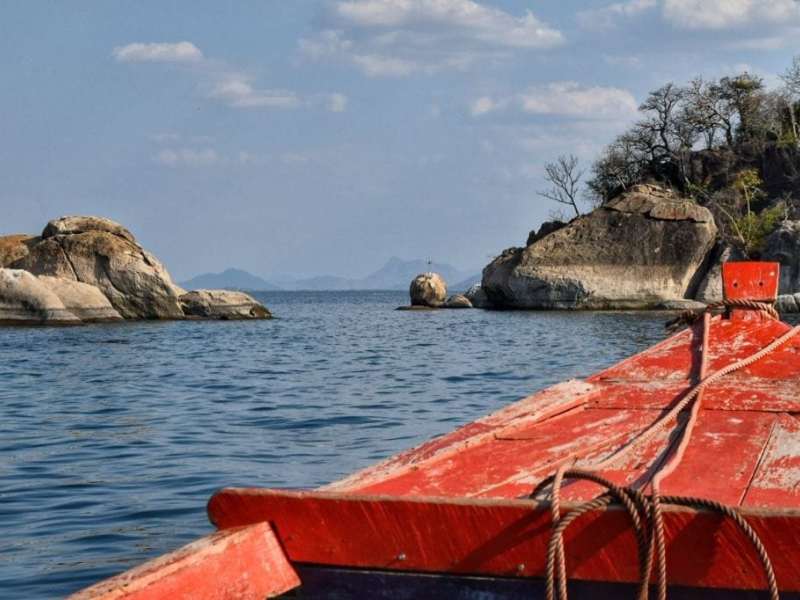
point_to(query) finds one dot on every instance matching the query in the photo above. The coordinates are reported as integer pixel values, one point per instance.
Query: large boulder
(222, 304)
(102, 253)
(26, 300)
(788, 303)
(428, 289)
(710, 288)
(783, 246)
(84, 301)
(642, 249)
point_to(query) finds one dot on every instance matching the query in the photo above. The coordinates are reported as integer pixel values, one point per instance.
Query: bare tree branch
(565, 177)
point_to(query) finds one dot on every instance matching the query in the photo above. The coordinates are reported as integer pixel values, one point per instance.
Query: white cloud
(569, 98)
(223, 83)
(236, 91)
(609, 16)
(725, 14)
(482, 105)
(375, 65)
(179, 52)
(187, 157)
(337, 102)
(628, 62)
(325, 43)
(395, 38)
(565, 99)
(488, 24)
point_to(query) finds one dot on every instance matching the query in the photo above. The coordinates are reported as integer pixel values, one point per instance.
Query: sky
(314, 137)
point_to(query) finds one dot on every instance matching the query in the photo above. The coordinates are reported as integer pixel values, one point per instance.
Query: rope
(688, 317)
(646, 512)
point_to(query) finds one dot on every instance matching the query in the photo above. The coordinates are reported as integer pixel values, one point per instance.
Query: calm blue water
(112, 437)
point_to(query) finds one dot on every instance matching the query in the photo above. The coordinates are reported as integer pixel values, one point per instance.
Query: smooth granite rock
(81, 299)
(222, 304)
(136, 284)
(25, 300)
(457, 301)
(637, 252)
(428, 289)
(80, 224)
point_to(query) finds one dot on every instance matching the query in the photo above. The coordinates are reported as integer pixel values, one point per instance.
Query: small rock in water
(222, 304)
(428, 289)
(457, 301)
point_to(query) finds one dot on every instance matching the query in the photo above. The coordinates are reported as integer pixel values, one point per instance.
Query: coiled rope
(645, 511)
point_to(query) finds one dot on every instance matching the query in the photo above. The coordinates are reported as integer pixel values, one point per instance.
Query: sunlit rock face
(645, 248)
(92, 268)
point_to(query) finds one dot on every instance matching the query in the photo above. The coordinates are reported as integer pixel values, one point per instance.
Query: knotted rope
(688, 317)
(645, 512)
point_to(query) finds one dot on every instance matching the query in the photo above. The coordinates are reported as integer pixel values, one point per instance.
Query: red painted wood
(776, 482)
(750, 281)
(505, 537)
(244, 563)
(723, 457)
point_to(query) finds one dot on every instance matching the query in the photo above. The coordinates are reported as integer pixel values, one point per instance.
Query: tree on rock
(564, 177)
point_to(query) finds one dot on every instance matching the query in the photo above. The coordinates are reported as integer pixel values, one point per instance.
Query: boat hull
(351, 584)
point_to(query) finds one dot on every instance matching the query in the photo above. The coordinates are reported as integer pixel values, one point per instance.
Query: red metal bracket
(750, 281)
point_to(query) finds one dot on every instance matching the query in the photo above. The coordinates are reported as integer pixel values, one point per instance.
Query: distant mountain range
(396, 274)
(229, 279)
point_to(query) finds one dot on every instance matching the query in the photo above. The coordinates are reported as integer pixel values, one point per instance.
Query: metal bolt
(401, 556)
(520, 567)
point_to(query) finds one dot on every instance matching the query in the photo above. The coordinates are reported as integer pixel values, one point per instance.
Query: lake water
(112, 437)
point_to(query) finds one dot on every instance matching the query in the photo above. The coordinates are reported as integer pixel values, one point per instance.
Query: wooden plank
(734, 392)
(523, 454)
(242, 563)
(754, 280)
(723, 454)
(506, 537)
(539, 407)
(777, 479)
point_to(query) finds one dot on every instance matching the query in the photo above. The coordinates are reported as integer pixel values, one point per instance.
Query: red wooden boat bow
(696, 442)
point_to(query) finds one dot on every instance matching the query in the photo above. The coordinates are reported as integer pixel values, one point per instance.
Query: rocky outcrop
(96, 270)
(26, 300)
(134, 281)
(788, 303)
(477, 297)
(783, 246)
(428, 289)
(14, 248)
(457, 301)
(545, 228)
(640, 251)
(78, 224)
(710, 288)
(222, 304)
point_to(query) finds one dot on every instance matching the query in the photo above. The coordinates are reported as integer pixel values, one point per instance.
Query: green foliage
(748, 184)
(755, 227)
